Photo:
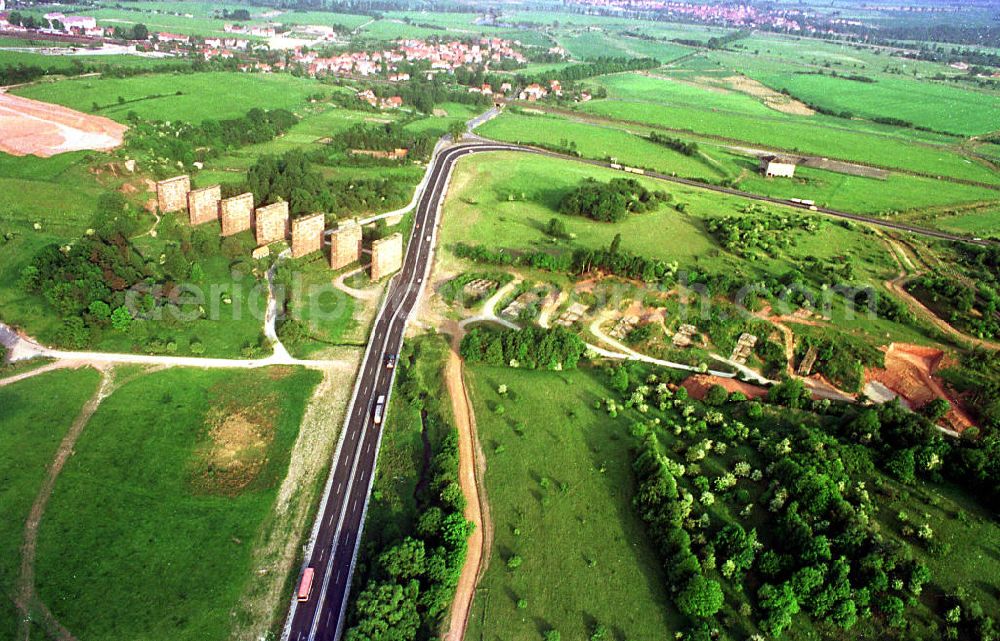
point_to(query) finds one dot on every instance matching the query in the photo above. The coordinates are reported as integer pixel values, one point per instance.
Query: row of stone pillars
(273, 223)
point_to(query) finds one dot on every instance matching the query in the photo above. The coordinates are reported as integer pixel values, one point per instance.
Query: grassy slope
(585, 555)
(36, 415)
(174, 556)
(29, 188)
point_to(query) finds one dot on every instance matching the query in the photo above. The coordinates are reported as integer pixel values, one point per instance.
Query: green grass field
(36, 415)
(178, 96)
(169, 487)
(560, 498)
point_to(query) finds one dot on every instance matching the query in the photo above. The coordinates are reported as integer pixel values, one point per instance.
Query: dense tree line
(595, 67)
(22, 73)
(611, 201)
(617, 262)
(409, 579)
(293, 178)
(686, 147)
(610, 260)
(187, 142)
(531, 348)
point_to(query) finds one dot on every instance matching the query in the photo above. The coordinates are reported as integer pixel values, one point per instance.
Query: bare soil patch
(770, 97)
(471, 468)
(910, 372)
(30, 127)
(697, 386)
(750, 87)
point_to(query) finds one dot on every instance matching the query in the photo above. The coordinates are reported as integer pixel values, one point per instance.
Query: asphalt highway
(339, 523)
(340, 520)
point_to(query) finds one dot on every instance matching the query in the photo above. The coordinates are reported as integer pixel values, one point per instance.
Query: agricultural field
(174, 510)
(556, 472)
(596, 44)
(176, 96)
(926, 103)
(741, 118)
(716, 162)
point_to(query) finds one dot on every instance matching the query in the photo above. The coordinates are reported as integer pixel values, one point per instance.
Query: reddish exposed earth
(698, 385)
(30, 127)
(909, 372)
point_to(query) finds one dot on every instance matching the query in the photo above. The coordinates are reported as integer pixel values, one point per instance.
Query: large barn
(776, 166)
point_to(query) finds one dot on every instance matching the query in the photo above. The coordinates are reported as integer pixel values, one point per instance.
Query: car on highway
(390, 361)
(379, 412)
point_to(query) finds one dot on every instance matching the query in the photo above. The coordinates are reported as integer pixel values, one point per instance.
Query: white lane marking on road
(339, 487)
(406, 292)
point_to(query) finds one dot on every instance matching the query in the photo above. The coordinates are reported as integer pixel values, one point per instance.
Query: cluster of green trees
(975, 310)
(686, 147)
(292, 178)
(762, 231)
(387, 137)
(185, 142)
(611, 201)
(137, 31)
(664, 510)
(87, 283)
(531, 348)
(907, 445)
(424, 95)
(823, 557)
(410, 579)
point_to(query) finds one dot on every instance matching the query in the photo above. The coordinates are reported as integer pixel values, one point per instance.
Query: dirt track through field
(30, 127)
(26, 600)
(471, 467)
